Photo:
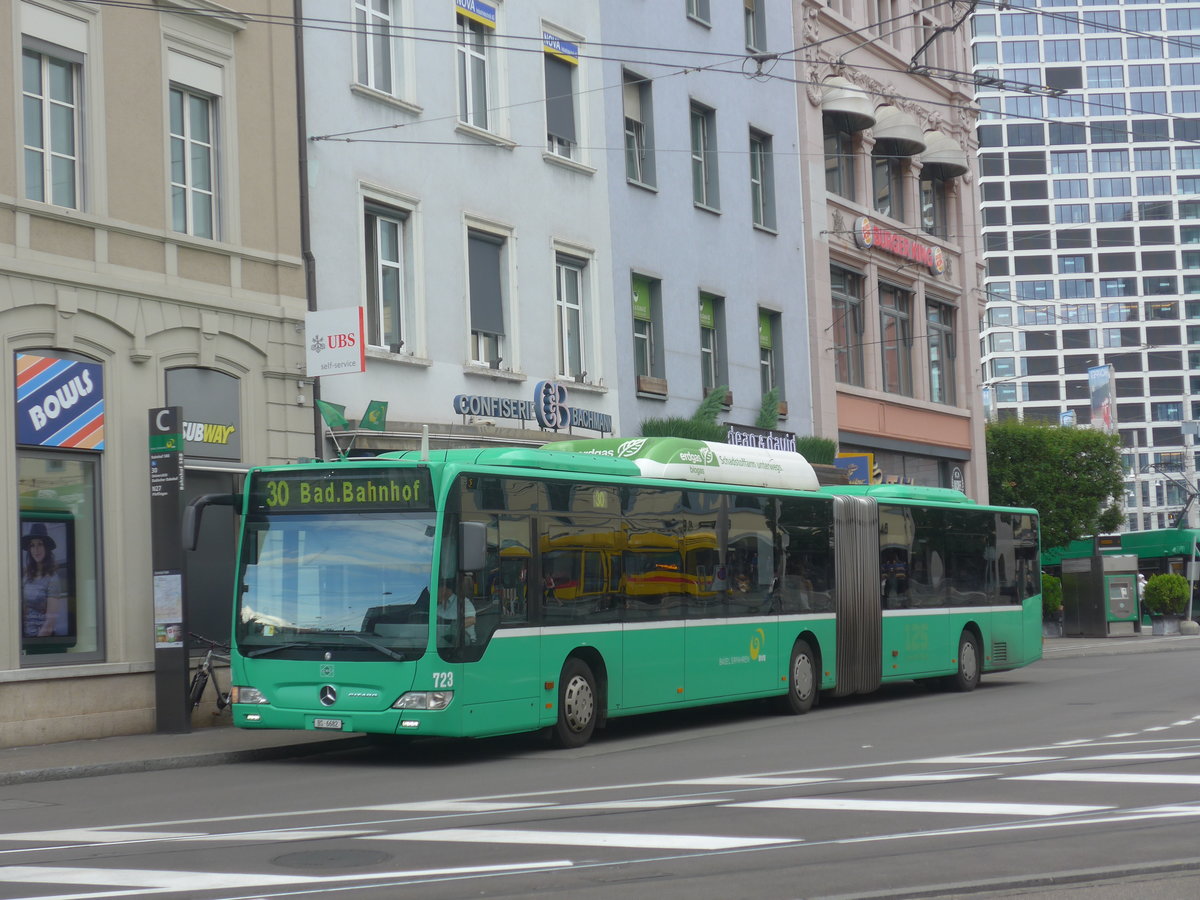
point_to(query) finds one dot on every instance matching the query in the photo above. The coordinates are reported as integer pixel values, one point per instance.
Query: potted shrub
(1165, 598)
(1052, 597)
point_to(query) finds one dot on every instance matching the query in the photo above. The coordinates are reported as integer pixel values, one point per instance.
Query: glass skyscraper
(1090, 195)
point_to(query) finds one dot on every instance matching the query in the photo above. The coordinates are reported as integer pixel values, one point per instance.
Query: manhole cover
(331, 859)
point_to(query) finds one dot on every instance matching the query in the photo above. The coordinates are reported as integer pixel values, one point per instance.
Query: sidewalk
(222, 744)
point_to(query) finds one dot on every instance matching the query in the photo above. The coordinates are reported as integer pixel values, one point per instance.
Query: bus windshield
(332, 580)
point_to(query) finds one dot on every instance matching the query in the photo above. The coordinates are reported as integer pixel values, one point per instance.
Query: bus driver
(447, 613)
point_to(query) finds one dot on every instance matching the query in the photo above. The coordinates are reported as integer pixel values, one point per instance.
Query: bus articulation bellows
(492, 591)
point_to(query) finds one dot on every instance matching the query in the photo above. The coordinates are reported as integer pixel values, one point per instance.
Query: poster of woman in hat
(44, 596)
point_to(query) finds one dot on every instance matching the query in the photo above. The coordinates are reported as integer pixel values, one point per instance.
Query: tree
(1072, 476)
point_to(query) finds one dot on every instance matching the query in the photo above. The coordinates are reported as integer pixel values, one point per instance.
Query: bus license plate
(334, 724)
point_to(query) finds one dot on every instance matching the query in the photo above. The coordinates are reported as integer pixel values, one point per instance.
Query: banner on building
(1100, 388)
(60, 402)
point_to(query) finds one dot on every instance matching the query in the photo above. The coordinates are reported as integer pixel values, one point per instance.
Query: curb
(215, 758)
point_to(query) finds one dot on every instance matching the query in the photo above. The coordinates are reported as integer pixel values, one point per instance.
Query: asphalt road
(1076, 777)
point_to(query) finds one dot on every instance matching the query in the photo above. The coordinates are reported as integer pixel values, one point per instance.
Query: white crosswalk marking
(1108, 778)
(140, 882)
(531, 837)
(1132, 756)
(922, 806)
(96, 836)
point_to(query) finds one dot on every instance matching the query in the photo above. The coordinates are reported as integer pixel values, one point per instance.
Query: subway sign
(336, 490)
(868, 234)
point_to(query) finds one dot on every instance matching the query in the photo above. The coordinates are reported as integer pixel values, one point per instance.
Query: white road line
(529, 837)
(642, 804)
(1121, 756)
(450, 806)
(922, 806)
(97, 836)
(144, 881)
(753, 781)
(931, 776)
(986, 760)
(1108, 778)
(283, 835)
(1164, 812)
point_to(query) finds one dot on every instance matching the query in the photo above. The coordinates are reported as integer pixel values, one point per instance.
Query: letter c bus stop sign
(166, 554)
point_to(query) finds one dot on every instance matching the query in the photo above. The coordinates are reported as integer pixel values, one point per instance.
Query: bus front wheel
(802, 681)
(967, 676)
(576, 704)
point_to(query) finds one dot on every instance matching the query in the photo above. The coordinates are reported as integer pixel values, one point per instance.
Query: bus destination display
(345, 491)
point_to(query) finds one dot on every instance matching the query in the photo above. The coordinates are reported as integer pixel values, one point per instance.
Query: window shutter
(560, 103)
(487, 304)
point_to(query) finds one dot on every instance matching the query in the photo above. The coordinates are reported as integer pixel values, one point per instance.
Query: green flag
(333, 414)
(375, 417)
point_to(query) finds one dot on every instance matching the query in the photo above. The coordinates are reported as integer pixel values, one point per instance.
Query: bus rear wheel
(576, 704)
(802, 681)
(967, 677)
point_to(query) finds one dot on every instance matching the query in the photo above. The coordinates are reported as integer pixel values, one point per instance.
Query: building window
(474, 47)
(939, 320)
(648, 360)
(704, 157)
(839, 159)
(485, 252)
(59, 572)
(762, 180)
(50, 97)
(375, 43)
(756, 26)
(698, 10)
(768, 357)
(935, 204)
(847, 326)
(569, 316)
(887, 177)
(562, 59)
(193, 162)
(895, 325)
(712, 335)
(639, 130)
(385, 240)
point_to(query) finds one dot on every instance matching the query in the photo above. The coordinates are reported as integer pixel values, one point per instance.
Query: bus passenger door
(498, 682)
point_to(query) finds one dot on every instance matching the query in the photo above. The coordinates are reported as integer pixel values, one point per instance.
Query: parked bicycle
(205, 672)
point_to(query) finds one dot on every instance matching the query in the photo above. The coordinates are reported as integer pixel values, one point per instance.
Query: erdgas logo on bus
(696, 458)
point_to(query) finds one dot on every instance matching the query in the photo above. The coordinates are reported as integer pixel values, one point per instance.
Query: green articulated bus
(501, 590)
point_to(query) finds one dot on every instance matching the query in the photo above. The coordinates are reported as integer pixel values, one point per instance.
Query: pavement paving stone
(221, 744)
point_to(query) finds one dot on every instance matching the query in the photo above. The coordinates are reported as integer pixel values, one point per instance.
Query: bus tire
(967, 677)
(576, 704)
(802, 681)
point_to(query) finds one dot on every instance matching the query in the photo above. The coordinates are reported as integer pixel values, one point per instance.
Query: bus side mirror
(472, 546)
(193, 512)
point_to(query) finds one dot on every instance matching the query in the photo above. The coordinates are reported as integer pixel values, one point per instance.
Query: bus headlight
(424, 700)
(240, 694)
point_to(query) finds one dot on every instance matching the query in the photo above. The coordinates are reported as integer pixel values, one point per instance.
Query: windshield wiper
(375, 645)
(263, 651)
